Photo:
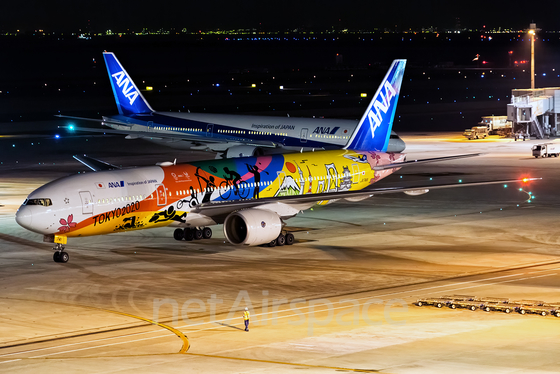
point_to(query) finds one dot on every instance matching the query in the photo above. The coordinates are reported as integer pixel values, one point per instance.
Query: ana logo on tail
(126, 86)
(380, 106)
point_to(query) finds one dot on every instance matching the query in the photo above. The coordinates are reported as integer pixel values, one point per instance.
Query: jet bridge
(535, 111)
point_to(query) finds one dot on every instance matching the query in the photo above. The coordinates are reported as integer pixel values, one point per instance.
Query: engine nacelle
(243, 151)
(356, 199)
(416, 192)
(252, 227)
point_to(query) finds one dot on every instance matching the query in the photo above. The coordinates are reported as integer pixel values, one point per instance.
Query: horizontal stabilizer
(425, 161)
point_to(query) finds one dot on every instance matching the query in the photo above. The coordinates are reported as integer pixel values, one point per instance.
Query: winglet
(374, 129)
(127, 95)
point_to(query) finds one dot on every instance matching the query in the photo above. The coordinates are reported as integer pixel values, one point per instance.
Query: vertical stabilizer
(127, 95)
(374, 129)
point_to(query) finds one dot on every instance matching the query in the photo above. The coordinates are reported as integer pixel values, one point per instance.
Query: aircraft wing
(219, 210)
(425, 161)
(132, 133)
(95, 164)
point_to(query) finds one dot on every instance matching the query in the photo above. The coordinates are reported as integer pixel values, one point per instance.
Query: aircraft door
(150, 126)
(161, 196)
(210, 130)
(303, 137)
(87, 202)
(355, 173)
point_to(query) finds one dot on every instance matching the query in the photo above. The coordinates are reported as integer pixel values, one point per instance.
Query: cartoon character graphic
(256, 171)
(168, 215)
(209, 185)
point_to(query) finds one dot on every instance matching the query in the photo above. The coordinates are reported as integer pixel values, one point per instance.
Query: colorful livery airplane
(229, 134)
(250, 196)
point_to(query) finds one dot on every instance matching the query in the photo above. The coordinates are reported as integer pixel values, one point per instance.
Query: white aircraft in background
(229, 134)
(250, 196)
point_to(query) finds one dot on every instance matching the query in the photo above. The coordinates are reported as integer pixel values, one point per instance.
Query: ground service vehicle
(546, 150)
(477, 132)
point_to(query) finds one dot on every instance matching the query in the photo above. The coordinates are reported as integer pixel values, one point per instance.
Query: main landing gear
(60, 255)
(193, 234)
(282, 239)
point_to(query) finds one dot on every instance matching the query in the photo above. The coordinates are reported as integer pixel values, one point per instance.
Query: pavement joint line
(285, 363)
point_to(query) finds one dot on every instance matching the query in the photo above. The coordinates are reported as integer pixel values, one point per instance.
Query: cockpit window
(43, 202)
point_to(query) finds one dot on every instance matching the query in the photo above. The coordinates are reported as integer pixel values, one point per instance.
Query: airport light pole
(532, 32)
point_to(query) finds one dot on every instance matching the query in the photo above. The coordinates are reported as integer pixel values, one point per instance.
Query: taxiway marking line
(5, 362)
(284, 363)
(183, 337)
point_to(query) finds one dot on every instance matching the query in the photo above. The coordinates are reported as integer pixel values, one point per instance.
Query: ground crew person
(246, 316)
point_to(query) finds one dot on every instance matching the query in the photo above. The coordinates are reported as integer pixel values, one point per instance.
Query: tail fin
(127, 95)
(374, 129)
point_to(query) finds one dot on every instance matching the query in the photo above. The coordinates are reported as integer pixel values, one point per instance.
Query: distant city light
(253, 85)
(281, 87)
(363, 94)
(149, 88)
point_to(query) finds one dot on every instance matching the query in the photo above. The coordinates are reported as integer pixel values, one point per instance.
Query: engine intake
(252, 227)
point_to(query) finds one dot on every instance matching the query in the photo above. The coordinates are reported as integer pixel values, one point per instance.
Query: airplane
(228, 134)
(250, 196)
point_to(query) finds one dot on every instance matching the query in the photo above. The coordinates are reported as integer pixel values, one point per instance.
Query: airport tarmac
(338, 300)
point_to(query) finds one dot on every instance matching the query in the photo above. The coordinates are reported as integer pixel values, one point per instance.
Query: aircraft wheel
(63, 257)
(290, 238)
(272, 243)
(197, 234)
(207, 233)
(56, 256)
(188, 234)
(281, 240)
(178, 234)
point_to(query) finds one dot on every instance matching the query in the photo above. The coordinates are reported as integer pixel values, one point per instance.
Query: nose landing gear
(60, 255)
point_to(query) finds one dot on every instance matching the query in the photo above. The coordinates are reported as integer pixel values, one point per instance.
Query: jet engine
(252, 227)
(243, 151)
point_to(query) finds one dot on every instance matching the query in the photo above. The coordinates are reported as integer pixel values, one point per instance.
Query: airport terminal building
(535, 111)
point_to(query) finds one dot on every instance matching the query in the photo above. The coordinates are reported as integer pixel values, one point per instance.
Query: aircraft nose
(24, 218)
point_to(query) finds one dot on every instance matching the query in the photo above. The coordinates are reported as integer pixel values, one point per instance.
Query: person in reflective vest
(246, 316)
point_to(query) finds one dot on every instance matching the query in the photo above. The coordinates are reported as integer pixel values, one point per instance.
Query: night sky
(70, 15)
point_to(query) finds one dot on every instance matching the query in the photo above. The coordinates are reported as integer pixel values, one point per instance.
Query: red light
(525, 180)
(510, 52)
(484, 62)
